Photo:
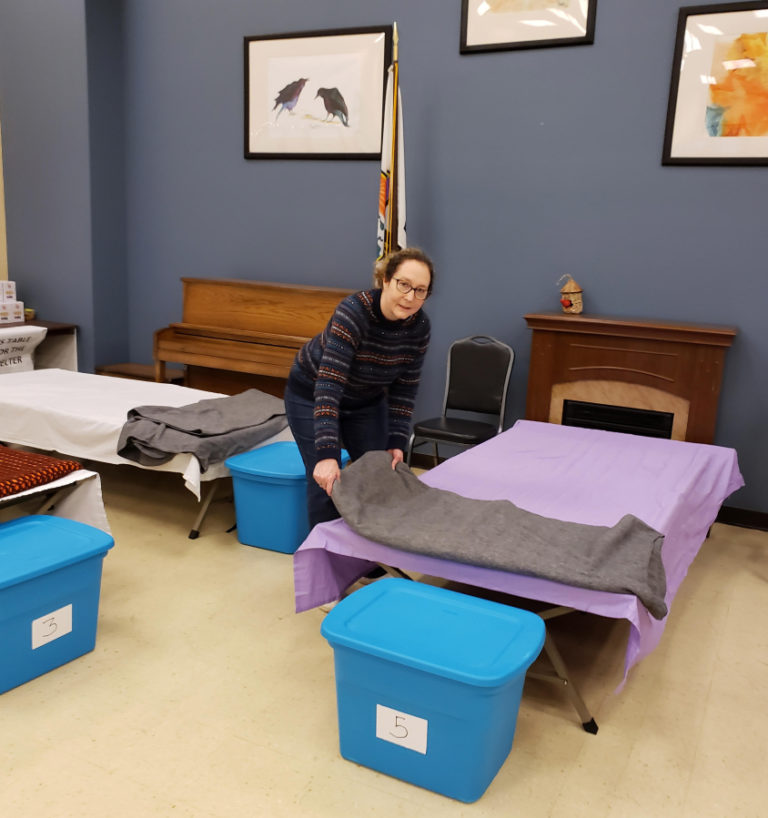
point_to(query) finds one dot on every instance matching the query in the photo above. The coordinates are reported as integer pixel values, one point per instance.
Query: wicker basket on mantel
(571, 296)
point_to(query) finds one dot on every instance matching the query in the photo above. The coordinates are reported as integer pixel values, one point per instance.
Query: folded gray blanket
(211, 429)
(395, 508)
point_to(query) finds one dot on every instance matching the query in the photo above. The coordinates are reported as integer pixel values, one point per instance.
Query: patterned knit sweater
(355, 361)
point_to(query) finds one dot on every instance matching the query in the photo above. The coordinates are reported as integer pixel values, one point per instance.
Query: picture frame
(316, 94)
(717, 112)
(501, 25)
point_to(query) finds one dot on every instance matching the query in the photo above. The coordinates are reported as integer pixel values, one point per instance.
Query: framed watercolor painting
(316, 94)
(497, 25)
(718, 97)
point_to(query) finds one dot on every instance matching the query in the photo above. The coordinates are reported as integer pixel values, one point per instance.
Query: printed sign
(401, 728)
(17, 345)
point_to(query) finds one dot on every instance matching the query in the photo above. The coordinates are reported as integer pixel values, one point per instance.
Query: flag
(391, 226)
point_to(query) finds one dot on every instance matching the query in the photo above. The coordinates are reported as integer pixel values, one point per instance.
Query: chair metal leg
(409, 453)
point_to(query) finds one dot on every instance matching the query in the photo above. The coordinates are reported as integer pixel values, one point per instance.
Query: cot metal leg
(52, 500)
(559, 672)
(195, 532)
(561, 675)
(49, 503)
(391, 569)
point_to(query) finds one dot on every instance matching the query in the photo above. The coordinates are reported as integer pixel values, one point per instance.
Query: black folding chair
(477, 380)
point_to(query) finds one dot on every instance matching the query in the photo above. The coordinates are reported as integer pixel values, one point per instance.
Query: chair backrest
(477, 379)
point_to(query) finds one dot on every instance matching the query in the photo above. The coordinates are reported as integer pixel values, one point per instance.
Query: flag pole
(391, 217)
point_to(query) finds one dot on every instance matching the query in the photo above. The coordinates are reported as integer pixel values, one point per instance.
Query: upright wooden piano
(236, 335)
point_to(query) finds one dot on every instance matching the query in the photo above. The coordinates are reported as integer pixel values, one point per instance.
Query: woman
(354, 384)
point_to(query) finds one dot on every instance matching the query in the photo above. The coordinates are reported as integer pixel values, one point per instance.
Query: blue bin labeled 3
(429, 681)
(50, 583)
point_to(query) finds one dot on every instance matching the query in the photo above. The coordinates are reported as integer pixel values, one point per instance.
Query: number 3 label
(401, 728)
(51, 626)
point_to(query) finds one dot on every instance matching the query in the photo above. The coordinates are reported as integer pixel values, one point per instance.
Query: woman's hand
(397, 456)
(326, 473)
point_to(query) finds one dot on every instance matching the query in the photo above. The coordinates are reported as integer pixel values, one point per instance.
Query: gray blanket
(211, 429)
(395, 508)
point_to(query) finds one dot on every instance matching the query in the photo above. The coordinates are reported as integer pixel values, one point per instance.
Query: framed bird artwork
(316, 94)
(499, 25)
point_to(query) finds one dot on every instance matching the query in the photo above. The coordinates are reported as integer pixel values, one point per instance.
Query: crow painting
(334, 104)
(289, 96)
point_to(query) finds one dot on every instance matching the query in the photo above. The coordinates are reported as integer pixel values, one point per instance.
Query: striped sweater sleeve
(344, 335)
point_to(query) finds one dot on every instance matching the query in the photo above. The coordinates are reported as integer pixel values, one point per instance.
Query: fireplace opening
(617, 418)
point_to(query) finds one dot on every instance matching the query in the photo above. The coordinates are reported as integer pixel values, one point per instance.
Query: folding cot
(81, 415)
(76, 496)
(578, 475)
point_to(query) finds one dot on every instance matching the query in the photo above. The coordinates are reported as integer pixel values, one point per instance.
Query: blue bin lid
(32, 546)
(442, 632)
(278, 460)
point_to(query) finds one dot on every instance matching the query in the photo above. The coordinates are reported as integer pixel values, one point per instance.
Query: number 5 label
(401, 728)
(51, 626)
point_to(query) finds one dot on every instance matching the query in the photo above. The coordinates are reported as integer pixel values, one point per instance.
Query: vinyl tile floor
(208, 697)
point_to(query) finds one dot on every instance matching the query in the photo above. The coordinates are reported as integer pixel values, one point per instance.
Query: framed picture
(718, 96)
(316, 94)
(497, 25)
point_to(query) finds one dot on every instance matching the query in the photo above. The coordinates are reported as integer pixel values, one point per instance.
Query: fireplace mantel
(655, 365)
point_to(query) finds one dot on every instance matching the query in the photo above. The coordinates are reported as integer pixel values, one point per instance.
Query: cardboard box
(11, 312)
(7, 291)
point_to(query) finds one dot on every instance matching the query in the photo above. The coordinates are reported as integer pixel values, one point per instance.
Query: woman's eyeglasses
(404, 287)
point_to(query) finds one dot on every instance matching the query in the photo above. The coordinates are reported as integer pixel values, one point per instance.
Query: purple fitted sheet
(579, 475)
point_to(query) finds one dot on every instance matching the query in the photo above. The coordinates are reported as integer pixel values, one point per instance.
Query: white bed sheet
(84, 503)
(81, 415)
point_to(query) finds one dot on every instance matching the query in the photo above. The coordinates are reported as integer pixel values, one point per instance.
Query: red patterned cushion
(20, 471)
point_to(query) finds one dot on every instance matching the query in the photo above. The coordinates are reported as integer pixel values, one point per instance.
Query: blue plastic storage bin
(50, 581)
(428, 682)
(270, 488)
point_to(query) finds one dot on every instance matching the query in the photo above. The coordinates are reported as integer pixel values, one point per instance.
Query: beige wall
(3, 246)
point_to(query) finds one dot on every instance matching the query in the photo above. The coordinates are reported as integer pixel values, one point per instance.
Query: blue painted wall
(522, 166)
(46, 160)
(106, 128)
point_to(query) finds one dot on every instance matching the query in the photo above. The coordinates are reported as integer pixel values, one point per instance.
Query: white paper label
(51, 626)
(401, 728)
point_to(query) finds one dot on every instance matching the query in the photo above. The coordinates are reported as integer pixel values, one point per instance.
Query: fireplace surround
(660, 367)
